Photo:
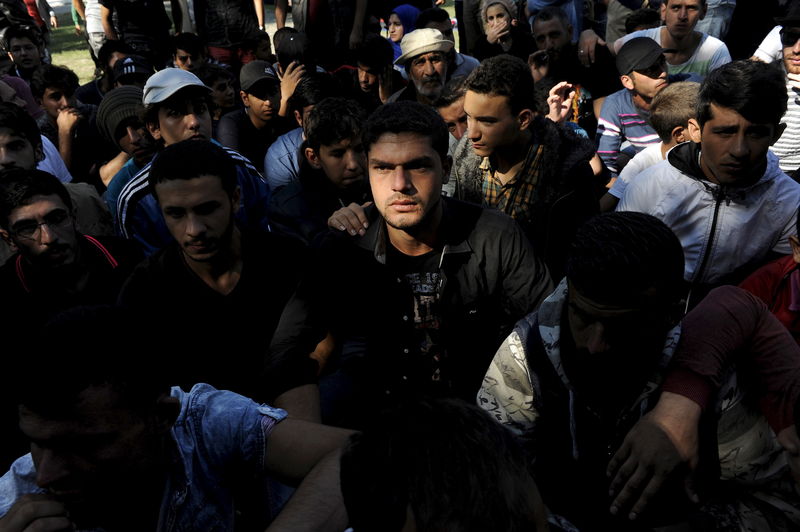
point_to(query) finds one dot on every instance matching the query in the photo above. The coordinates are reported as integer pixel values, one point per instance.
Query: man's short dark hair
(552, 13)
(109, 48)
(209, 73)
(312, 89)
(188, 42)
(18, 186)
(617, 257)
(296, 47)
(452, 92)
(281, 34)
(20, 123)
(20, 32)
(432, 14)
(504, 75)
(333, 120)
(642, 18)
(52, 378)
(447, 460)
(53, 77)
(755, 90)
(375, 53)
(408, 117)
(672, 107)
(190, 159)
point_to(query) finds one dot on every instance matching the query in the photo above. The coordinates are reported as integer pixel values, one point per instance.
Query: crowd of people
(534, 267)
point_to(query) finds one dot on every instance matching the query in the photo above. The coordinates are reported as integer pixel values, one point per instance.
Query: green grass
(71, 50)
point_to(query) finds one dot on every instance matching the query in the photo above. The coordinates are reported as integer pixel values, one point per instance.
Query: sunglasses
(790, 36)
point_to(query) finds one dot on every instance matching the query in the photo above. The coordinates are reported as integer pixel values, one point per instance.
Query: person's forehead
(387, 146)
(21, 41)
(496, 9)
(454, 111)
(725, 115)
(477, 104)
(7, 135)
(547, 26)
(353, 141)
(427, 56)
(686, 3)
(38, 205)
(190, 192)
(609, 309)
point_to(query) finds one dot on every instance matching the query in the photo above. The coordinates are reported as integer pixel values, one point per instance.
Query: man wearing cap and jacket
(253, 129)
(624, 116)
(425, 60)
(176, 109)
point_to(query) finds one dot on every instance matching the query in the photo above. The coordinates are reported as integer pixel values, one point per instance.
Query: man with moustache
(221, 285)
(424, 58)
(419, 302)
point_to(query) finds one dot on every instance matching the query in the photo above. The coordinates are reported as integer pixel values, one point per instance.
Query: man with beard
(419, 302)
(425, 60)
(223, 287)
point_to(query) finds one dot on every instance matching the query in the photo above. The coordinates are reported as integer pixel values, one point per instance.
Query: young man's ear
(794, 241)
(236, 199)
(312, 158)
(695, 132)
(154, 130)
(7, 238)
(525, 117)
(679, 134)
(299, 117)
(627, 81)
(245, 98)
(38, 153)
(166, 412)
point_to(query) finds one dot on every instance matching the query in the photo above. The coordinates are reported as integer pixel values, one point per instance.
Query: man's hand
(498, 32)
(539, 63)
(78, 29)
(661, 442)
(291, 77)
(791, 444)
(559, 102)
(587, 44)
(352, 219)
(68, 119)
(54, 22)
(36, 511)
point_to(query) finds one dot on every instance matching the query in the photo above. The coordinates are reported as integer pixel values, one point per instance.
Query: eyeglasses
(789, 36)
(56, 219)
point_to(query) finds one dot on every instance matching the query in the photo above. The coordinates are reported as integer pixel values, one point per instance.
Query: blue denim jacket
(217, 433)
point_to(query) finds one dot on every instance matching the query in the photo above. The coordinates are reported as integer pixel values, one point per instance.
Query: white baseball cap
(167, 82)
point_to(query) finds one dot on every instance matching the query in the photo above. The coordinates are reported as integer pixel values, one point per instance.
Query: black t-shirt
(140, 17)
(236, 131)
(212, 337)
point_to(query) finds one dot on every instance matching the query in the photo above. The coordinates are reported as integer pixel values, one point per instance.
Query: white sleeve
(770, 48)
(52, 162)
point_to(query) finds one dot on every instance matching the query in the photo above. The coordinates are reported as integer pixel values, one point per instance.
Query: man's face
(445, 26)
(428, 72)
(367, 78)
(222, 93)
(619, 342)
(16, 151)
(263, 100)
(455, 118)
(9, 95)
(113, 58)
(182, 120)
(648, 82)
(790, 38)
(733, 149)
(54, 100)
(136, 142)
(44, 232)
(681, 16)
(551, 35)
(342, 162)
(91, 457)
(186, 61)
(24, 53)
(406, 175)
(490, 123)
(199, 215)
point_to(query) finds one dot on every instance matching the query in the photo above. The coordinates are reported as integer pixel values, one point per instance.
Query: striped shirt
(620, 120)
(709, 54)
(788, 146)
(139, 217)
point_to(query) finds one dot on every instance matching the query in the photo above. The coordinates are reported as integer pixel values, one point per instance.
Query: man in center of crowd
(419, 303)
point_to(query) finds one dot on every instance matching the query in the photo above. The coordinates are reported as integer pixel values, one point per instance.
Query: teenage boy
(253, 129)
(332, 173)
(175, 109)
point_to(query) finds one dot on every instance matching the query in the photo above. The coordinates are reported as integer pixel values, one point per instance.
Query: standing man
(224, 25)
(420, 301)
(525, 166)
(143, 25)
(425, 59)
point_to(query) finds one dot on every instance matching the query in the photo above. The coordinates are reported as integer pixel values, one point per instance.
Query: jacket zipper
(707, 251)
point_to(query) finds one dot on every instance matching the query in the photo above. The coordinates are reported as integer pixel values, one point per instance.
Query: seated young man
(25, 49)
(114, 447)
(69, 124)
(670, 112)
(253, 129)
(575, 378)
(226, 283)
(188, 52)
(332, 173)
(175, 109)
(282, 162)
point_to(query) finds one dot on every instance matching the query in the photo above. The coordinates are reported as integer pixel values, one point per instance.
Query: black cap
(255, 71)
(132, 65)
(792, 17)
(638, 54)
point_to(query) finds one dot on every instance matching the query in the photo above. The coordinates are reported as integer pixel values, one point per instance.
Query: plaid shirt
(515, 198)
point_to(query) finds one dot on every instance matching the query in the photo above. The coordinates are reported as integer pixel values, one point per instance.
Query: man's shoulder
(19, 480)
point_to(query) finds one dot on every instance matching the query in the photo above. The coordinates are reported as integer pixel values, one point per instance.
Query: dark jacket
(490, 278)
(565, 196)
(522, 45)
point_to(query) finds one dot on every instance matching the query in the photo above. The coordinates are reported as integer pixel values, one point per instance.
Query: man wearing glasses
(624, 116)
(788, 146)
